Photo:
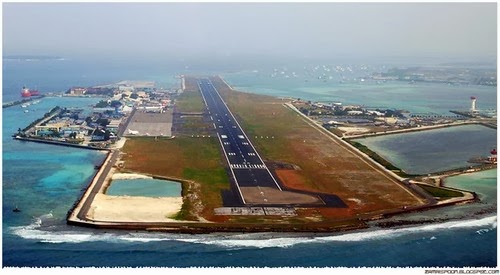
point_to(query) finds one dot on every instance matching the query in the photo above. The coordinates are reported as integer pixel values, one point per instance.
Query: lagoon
(144, 188)
(484, 183)
(434, 150)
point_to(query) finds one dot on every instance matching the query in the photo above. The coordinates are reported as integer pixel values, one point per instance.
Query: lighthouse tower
(473, 105)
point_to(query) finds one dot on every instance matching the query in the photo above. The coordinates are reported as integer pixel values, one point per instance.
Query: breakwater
(55, 142)
(19, 102)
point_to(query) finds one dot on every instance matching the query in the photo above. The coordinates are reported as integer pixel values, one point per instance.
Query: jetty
(20, 102)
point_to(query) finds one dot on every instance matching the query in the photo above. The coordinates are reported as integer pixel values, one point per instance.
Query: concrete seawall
(77, 214)
(220, 77)
(417, 129)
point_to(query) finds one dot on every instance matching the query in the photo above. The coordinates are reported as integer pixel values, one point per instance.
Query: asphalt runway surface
(246, 166)
(244, 163)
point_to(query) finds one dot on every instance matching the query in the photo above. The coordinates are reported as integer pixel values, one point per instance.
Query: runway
(246, 166)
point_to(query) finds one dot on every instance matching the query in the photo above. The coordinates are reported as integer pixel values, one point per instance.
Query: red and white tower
(473, 104)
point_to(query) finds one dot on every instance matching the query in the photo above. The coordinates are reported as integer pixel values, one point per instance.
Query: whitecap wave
(253, 243)
(35, 231)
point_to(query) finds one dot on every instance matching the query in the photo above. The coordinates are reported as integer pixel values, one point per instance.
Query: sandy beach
(133, 209)
(128, 176)
(353, 130)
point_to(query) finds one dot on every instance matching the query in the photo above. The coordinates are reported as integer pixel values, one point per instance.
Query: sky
(266, 29)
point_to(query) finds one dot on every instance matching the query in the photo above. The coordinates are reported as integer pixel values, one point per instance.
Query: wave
(35, 231)
(490, 222)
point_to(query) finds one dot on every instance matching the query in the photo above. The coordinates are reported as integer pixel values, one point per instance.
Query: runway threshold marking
(232, 172)
(270, 174)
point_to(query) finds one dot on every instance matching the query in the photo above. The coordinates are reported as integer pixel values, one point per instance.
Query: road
(99, 181)
(246, 166)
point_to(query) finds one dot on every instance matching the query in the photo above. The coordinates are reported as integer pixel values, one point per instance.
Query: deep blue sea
(44, 181)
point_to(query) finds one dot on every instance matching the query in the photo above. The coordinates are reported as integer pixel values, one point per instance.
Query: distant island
(32, 57)
(471, 75)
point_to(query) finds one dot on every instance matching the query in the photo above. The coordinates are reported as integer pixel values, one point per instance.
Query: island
(245, 162)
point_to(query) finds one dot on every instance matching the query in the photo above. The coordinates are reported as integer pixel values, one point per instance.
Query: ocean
(45, 180)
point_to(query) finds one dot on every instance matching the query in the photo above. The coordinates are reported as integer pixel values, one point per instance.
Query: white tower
(473, 104)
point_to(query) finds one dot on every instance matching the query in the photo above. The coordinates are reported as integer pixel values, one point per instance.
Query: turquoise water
(42, 179)
(484, 183)
(434, 150)
(144, 188)
(416, 97)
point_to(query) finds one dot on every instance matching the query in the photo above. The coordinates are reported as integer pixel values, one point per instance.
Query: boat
(17, 210)
(491, 159)
(28, 93)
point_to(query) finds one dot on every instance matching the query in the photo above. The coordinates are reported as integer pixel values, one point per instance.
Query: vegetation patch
(440, 193)
(185, 214)
(379, 159)
(190, 100)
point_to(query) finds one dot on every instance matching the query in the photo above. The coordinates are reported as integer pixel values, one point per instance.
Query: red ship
(27, 92)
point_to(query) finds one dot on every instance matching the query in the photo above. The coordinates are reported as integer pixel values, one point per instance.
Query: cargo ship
(28, 93)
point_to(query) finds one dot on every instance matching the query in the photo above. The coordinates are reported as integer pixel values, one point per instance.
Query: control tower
(473, 105)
